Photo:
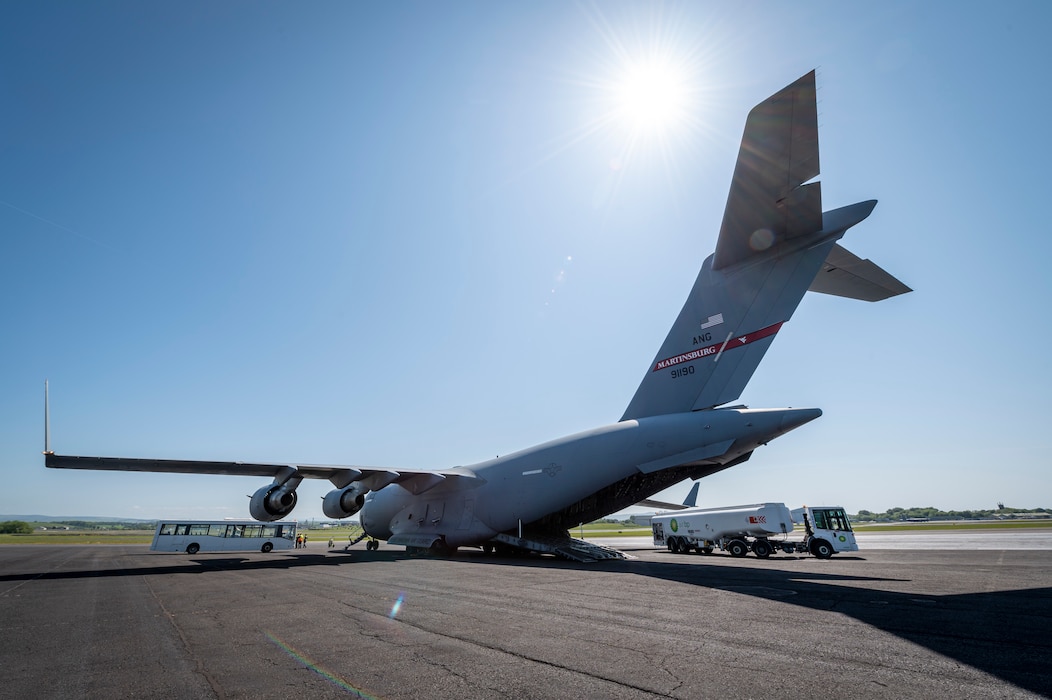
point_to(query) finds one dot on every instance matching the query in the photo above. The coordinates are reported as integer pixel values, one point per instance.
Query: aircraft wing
(768, 202)
(374, 478)
(690, 501)
(662, 505)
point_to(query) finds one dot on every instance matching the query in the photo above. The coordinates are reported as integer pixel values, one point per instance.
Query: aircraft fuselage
(525, 486)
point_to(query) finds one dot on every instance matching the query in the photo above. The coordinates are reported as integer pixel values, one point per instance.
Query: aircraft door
(467, 514)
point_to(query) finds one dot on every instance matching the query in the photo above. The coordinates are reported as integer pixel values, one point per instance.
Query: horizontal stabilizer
(844, 274)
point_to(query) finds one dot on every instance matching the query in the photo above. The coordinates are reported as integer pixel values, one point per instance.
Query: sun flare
(652, 96)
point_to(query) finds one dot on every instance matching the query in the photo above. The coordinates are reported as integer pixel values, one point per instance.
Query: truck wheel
(681, 546)
(193, 548)
(762, 549)
(671, 544)
(737, 548)
(821, 549)
(705, 550)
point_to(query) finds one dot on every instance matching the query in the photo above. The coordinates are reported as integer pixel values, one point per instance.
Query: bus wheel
(267, 546)
(193, 548)
(821, 549)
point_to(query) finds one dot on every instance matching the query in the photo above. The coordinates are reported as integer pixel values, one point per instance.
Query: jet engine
(345, 502)
(274, 501)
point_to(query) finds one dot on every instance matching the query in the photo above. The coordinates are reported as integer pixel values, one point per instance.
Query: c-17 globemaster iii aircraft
(775, 244)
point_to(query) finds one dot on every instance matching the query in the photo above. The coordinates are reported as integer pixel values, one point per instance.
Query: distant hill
(65, 518)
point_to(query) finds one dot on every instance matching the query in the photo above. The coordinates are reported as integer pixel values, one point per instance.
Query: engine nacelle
(274, 501)
(345, 502)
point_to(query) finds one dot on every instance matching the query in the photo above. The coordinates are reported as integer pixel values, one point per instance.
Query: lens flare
(328, 675)
(397, 606)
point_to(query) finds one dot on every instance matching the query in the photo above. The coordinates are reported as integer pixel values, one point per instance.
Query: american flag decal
(713, 321)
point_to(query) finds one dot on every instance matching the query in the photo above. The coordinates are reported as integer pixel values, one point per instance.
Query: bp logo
(843, 539)
(674, 525)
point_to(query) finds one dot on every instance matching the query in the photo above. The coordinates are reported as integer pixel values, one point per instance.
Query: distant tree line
(100, 525)
(929, 513)
(15, 527)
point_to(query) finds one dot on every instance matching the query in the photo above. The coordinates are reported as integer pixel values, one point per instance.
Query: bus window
(217, 530)
(271, 531)
(182, 529)
(198, 529)
(252, 531)
(166, 529)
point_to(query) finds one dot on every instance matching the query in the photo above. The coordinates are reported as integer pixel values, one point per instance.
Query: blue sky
(421, 235)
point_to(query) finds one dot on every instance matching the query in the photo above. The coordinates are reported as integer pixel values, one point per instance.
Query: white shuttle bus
(193, 536)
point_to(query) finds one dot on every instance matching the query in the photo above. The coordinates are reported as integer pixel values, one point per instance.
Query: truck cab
(828, 530)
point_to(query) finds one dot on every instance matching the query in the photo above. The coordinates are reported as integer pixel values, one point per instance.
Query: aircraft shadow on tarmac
(1002, 633)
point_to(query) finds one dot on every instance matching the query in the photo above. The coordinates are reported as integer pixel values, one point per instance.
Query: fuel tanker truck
(762, 528)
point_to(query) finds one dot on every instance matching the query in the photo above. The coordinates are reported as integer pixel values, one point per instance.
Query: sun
(652, 96)
(645, 85)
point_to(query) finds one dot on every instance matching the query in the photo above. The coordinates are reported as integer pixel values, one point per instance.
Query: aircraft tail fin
(774, 240)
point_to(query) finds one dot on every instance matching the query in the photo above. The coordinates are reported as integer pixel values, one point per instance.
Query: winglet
(691, 501)
(47, 424)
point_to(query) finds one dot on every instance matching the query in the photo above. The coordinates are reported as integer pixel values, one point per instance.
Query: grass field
(81, 537)
(954, 525)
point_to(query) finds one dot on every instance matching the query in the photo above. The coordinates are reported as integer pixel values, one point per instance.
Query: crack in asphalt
(199, 666)
(514, 654)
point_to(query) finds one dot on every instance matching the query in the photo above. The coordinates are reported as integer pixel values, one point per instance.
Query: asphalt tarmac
(114, 621)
